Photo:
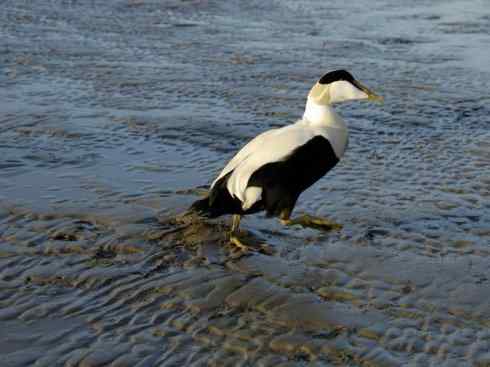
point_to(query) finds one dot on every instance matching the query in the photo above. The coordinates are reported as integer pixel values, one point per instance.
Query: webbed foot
(311, 221)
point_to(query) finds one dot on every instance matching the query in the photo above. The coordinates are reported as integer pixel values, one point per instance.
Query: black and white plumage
(272, 170)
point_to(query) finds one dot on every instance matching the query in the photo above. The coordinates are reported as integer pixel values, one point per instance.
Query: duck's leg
(235, 224)
(235, 232)
(307, 220)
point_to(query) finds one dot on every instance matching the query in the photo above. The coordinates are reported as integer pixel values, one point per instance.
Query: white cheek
(344, 91)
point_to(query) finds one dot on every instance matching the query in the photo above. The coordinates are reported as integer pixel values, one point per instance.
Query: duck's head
(339, 86)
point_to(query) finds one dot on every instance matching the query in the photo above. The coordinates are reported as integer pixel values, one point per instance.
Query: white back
(273, 147)
(249, 148)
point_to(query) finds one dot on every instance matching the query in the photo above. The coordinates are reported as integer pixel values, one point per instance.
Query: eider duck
(272, 170)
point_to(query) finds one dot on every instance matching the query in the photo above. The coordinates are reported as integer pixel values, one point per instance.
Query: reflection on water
(112, 110)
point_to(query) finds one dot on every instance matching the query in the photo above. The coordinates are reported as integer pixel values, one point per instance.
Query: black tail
(219, 201)
(201, 207)
(205, 209)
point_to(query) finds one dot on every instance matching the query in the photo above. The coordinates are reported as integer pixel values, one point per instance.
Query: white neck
(322, 115)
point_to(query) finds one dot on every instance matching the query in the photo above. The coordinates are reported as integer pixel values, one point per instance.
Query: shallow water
(113, 111)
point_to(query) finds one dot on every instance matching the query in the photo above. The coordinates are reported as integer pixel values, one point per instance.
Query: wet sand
(113, 112)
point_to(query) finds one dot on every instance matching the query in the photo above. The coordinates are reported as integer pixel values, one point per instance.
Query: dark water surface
(112, 110)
